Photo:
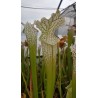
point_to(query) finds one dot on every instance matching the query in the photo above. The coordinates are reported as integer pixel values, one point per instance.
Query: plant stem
(74, 85)
(59, 73)
(49, 53)
(32, 50)
(31, 87)
(42, 93)
(25, 84)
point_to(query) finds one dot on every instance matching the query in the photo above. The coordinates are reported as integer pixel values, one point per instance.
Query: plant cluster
(51, 75)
